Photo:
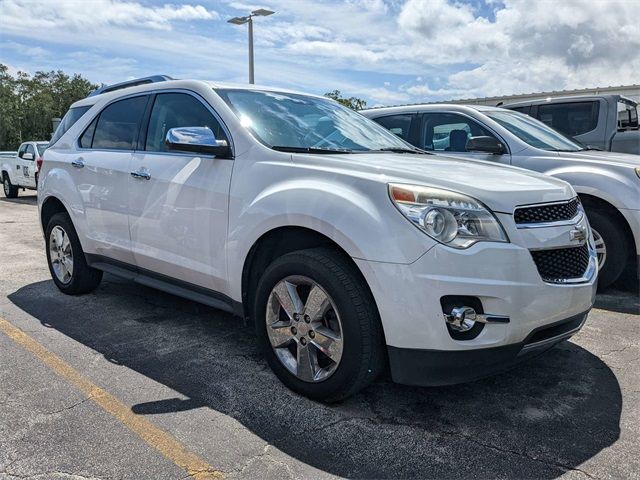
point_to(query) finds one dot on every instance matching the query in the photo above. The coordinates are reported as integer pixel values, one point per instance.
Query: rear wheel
(66, 260)
(318, 325)
(612, 246)
(10, 190)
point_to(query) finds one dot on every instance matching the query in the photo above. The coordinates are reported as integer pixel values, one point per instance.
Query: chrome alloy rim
(601, 248)
(6, 186)
(61, 254)
(304, 328)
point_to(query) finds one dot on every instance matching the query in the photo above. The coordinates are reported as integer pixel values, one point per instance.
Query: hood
(500, 187)
(609, 158)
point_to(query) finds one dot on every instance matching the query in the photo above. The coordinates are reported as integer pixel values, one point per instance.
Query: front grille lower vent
(553, 212)
(562, 263)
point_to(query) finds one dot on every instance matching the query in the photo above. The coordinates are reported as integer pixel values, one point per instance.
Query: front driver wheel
(66, 260)
(318, 325)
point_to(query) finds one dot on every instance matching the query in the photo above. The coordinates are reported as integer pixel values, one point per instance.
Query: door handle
(141, 174)
(77, 163)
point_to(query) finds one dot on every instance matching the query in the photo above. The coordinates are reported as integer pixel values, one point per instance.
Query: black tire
(10, 190)
(618, 246)
(363, 353)
(83, 278)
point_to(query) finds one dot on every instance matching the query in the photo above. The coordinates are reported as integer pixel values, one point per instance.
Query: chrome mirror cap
(196, 139)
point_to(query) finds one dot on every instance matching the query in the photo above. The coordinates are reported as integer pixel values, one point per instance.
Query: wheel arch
(594, 202)
(280, 241)
(50, 206)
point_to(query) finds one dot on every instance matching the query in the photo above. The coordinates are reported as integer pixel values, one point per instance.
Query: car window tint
(627, 116)
(42, 147)
(87, 137)
(571, 119)
(173, 110)
(524, 110)
(22, 149)
(31, 150)
(118, 124)
(448, 132)
(71, 117)
(398, 124)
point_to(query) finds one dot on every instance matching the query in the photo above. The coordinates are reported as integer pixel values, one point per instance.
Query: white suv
(348, 248)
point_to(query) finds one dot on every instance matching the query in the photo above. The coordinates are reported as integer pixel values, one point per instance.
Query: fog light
(461, 319)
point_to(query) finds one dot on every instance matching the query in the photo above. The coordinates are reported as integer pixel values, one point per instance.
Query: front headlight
(638, 171)
(448, 217)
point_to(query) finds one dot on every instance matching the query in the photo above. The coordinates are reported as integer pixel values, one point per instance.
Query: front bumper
(447, 367)
(502, 276)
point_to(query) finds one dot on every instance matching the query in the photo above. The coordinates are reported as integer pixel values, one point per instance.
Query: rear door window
(398, 124)
(117, 125)
(572, 118)
(627, 116)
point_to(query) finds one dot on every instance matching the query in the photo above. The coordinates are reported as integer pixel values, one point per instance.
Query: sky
(384, 51)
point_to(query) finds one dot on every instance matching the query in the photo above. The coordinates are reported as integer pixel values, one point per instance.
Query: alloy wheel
(7, 187)
(304, 328)
(601, 248)
(61, 254)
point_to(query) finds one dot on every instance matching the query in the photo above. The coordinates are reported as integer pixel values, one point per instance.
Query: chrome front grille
(559, 265)
(547, 213)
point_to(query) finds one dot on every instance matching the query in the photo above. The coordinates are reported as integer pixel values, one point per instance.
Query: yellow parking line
(152, 435)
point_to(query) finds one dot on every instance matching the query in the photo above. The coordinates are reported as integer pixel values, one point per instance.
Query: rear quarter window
(72, 116)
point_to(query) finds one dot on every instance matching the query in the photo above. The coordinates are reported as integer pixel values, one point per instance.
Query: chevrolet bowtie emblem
(579, 234)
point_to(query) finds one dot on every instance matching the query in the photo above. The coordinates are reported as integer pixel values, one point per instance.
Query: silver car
(608, 183)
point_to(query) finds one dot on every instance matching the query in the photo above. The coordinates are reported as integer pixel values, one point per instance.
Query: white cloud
(425, 49)
(76, 15)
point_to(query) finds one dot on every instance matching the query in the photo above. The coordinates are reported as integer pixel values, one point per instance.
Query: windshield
(42, 147)
(295, 122)
(534, 132)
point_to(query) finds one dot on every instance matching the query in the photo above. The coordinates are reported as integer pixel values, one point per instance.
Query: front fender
(358, 216)
(611, 185)
(8, 167)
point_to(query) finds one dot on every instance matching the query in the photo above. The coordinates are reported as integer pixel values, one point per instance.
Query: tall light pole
(261, 12)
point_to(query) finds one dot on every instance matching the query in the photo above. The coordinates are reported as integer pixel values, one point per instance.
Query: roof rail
(131, 83)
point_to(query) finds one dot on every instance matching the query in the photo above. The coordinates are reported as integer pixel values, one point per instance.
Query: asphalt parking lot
(128, 382)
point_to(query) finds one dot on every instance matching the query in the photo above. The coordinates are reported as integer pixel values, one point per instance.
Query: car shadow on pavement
(624, 295)
(538, 420)
(23, 200)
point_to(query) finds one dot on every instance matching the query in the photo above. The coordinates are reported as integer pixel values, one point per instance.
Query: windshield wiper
(286, 148)
(399, 150)
(589, 148)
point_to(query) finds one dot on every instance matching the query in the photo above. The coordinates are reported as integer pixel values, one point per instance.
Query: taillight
(39, 161)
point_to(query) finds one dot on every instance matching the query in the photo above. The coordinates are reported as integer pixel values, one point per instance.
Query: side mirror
(198, 140)
(485, 145)
(27, 156)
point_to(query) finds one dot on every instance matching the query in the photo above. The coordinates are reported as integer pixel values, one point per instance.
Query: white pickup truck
(21, 170)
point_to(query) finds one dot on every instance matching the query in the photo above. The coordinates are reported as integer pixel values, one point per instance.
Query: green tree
(351, 102)
(29, 103)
